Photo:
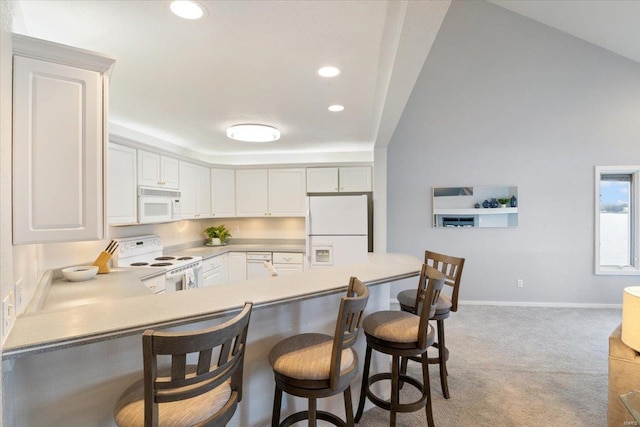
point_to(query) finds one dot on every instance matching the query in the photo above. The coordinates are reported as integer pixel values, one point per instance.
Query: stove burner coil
(184, 258)
(139, 264)
(161, 264)
(165, 258)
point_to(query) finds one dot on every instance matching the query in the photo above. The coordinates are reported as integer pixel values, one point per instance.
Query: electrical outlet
(236, 229)
(7, 314)
(17, 290)
(520, 283)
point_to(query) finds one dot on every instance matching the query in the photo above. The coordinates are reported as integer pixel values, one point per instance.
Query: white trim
(532, 304)
(45, 50)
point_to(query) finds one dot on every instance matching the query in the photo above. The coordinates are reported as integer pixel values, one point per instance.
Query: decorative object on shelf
(486, 204)
(504, 202)
(218, 235)
(477, 206)
(494, 203)
(514, 202)
(102, 262)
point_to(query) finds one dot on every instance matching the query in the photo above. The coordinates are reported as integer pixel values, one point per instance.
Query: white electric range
(182, 272)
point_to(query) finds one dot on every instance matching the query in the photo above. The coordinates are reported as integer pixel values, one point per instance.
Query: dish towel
(189, 279)
(271, 268)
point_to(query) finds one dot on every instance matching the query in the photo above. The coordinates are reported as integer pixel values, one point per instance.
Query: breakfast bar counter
(67, 365)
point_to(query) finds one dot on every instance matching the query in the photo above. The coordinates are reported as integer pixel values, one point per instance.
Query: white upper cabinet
(155, 170)
(195, 190)
(252, 197)
(59, 111)
(270, 192)
(344, 179)
(121, 190)
(287, 192)
(223, 193)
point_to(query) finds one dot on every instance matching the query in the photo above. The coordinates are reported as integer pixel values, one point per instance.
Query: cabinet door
(223, 193)
(188, 189)
(148, 169)
(287, 191)
(322, 180)
(237, 267)
(121, 192)
(57, 153)
(355, 179)
(251, 192)
(169, 172)
(203, 192)
(288, 269)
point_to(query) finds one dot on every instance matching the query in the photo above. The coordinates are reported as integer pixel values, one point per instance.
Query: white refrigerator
(337, 230)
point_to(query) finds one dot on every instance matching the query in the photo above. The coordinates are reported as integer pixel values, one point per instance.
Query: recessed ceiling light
(253, 133)
(187, 9)
(328, 71)
(336, 108)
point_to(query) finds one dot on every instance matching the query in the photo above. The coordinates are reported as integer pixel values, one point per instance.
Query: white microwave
(158, 205)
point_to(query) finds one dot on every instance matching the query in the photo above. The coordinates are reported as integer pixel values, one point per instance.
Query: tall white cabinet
(121, 190)
(59, 140)
(195, 189)
(223, 193)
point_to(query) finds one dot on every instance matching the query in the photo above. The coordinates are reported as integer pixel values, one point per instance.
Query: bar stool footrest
(320, 415)
(402, 407)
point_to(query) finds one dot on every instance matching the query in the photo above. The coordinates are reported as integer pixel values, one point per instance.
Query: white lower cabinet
(156, 284)
(215, 270)
(287, 263)
(237, 267)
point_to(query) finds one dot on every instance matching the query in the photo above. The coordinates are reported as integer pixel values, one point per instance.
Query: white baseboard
(531, 304)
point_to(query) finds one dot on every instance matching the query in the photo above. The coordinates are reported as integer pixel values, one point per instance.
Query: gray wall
(502, 99)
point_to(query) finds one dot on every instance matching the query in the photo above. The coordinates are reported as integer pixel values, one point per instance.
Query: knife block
(103, 262)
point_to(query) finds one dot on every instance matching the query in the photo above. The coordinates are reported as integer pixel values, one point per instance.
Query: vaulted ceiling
(182, 83)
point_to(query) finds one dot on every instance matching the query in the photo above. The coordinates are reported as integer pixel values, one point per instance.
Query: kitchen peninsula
(67, 366)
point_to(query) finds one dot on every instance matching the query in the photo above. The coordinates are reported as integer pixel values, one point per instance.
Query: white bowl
(80, 273)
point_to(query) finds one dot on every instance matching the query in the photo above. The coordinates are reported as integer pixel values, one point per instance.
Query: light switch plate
(6, 315)
(17, 290)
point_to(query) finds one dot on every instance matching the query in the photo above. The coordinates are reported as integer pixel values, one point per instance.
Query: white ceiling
(184, 82)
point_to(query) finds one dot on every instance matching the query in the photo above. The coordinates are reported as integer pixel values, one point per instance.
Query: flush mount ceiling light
(328, 71)
(253, 133)
(187, 9)
(335, 108)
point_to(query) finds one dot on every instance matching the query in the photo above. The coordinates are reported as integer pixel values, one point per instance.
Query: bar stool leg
(395, 392)
(364, 387)
(348, 406)
(427, 388)
(277, 402)
(442, 356)
(312, 412)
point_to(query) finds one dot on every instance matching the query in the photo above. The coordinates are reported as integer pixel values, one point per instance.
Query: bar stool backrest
(220, 353)
(431, 283)
(451, 267)
(347, 326)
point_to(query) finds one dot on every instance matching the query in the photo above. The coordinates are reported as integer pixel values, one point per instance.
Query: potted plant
(218, 234)
(504, 202)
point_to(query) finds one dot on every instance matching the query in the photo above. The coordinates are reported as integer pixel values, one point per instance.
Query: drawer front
(211, 263)
(287, 258)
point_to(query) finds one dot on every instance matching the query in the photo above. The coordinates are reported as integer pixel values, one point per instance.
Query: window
(616, 234)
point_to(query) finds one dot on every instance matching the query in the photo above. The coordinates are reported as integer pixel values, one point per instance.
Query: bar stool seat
(314, 365)
(400, 335)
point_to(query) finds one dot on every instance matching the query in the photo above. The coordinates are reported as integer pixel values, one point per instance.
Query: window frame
(634, 208)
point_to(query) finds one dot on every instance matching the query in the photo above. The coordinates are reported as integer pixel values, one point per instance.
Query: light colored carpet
(519, 366)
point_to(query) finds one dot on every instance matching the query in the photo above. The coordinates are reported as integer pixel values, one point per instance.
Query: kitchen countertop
(64, 327)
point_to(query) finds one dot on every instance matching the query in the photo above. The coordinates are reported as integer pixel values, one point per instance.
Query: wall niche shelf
(454, 207)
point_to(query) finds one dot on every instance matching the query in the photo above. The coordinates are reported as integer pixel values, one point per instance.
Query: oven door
(184, 278)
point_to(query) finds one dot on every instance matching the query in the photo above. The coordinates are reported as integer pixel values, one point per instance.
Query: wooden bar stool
(186, 395)
(401, 334)
(451, 267)
(315, 365)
